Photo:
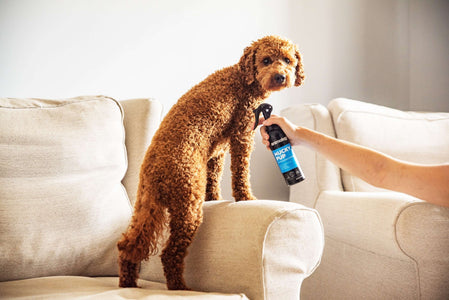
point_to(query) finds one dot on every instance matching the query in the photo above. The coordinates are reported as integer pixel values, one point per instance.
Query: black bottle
(281, 148)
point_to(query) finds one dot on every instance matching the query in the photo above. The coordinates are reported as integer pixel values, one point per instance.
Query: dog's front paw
(175, 281)
(244, 197)
(178, 286)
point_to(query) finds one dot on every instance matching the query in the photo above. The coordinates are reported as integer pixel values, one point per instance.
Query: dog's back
(202, 118)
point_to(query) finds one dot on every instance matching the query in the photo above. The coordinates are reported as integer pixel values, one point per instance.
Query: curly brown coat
(183, 165)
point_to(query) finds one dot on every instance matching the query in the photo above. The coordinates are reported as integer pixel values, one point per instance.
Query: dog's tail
(143, 237)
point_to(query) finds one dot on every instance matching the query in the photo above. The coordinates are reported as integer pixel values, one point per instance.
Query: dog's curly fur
(183, 165)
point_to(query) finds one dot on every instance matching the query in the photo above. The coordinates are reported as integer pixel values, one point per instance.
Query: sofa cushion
(421, 137)
(73, 287)
(62, 204)
(141, 119)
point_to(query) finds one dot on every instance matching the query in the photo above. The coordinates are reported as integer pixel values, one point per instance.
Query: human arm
(427, 182)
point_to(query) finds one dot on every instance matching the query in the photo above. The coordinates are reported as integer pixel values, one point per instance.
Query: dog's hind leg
(129, 272)
(131, 253)
(184, 223)
(140, 240)
(214, 172)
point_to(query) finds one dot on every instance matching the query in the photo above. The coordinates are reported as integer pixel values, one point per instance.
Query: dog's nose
(279, 78)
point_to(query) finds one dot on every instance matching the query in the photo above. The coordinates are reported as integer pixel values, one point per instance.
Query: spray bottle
(281, 148)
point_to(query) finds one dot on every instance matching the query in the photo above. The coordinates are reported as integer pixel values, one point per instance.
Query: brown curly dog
(183, 165)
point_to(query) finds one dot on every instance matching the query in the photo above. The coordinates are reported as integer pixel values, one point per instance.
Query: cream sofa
(68, 177)
(379, 244)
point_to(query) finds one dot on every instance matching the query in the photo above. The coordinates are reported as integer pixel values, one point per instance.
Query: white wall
(52, 48)
(391, 52)
(429, 55)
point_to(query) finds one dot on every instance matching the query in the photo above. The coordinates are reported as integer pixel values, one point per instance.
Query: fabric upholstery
(422, 232)
(348, 272)
(420, 137)
(350, 219)
(101, 288)
(141, 120)
(62, 204)
(378, 237)
(263, 248)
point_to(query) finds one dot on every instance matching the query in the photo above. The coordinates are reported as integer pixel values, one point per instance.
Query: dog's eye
(287, 61)
(266, 61)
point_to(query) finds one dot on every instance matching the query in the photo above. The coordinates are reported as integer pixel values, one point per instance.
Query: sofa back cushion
(420, 137)
(62, 203)
(141, 119)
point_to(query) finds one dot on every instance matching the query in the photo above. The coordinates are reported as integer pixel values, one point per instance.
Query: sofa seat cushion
(420, 137)
(62, 204)
(74, 287)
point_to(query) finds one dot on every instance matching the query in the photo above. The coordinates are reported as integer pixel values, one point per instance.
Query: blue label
(285, 158)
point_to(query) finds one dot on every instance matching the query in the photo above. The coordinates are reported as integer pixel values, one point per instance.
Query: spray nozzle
(265, 109)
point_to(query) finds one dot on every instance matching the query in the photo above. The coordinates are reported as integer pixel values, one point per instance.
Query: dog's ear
(247, 64)
(299, 70)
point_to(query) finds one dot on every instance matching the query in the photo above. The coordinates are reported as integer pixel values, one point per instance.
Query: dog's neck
(256, 95)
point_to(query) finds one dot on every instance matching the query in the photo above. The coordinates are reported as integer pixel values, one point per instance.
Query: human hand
(288, 127)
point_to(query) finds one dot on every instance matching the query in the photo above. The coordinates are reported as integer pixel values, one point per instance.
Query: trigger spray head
(265, 109)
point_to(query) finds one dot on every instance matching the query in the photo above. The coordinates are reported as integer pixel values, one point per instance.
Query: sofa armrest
(320, 173)
(261, 248)
(394, 226)
(422, 233)
(365, 220)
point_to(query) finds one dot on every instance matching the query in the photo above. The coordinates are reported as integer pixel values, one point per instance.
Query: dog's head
(274, 62)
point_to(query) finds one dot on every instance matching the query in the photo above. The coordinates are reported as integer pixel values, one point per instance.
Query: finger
(265, 137)
(273, 119)
(263, 133)
(266, 143)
